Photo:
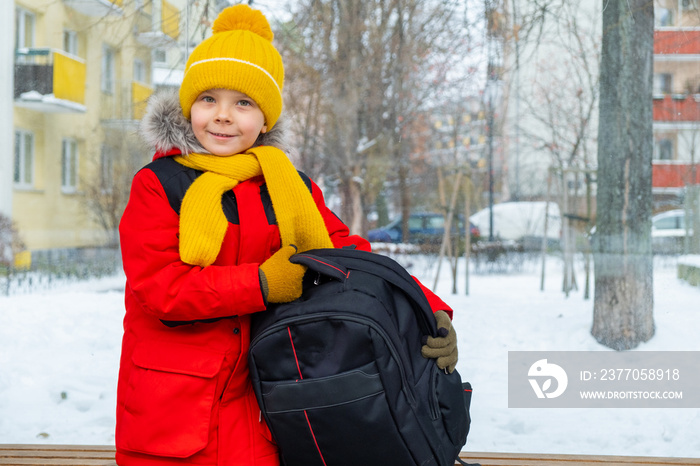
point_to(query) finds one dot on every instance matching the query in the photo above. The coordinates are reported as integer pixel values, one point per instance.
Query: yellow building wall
(46, 216)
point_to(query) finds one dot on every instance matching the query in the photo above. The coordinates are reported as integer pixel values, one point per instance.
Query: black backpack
(339, 376)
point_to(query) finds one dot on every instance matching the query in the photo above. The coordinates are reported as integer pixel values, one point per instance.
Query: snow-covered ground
(59, 355)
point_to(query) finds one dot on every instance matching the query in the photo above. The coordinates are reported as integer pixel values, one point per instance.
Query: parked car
(521, 221)
(423, 227)
(668, 232)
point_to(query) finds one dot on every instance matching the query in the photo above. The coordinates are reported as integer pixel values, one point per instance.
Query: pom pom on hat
(245, 18)
(239, 56)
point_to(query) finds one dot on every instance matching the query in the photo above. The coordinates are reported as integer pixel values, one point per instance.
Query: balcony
(139, 98)
(672, 175)
(677, 108)
(125, 106)
(679, 44)
(164, 28)
(165, 76)
(96, 8)
(49, 81)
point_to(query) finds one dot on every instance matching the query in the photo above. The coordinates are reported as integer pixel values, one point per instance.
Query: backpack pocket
(169, 399)
(450, 405)
(315, 421)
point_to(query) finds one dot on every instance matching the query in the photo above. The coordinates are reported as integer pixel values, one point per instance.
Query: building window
(70, 42)
(108, 69)
(663, 149)
(663, 17)
(24, 159)
(159, 56)
(689, 5)
(24, 28)
(69, 165)
(139, 71)
(662, 83)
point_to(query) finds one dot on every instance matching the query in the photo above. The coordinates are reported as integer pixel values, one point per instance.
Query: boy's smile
(226, 122)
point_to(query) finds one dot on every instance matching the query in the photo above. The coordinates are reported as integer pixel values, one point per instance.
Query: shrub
(10, 241)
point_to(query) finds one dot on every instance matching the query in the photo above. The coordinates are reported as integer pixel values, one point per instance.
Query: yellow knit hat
(239, 56)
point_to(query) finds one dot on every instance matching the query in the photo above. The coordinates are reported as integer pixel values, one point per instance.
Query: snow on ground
(510, 313)
(59, 356)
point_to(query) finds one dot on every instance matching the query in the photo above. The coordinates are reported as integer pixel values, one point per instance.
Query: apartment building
(551, 83)
(676, 102)
(82, 75)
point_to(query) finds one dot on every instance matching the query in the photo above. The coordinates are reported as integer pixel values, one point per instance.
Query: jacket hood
(164, 127)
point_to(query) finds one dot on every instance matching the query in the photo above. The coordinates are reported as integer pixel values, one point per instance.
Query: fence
(54, 267)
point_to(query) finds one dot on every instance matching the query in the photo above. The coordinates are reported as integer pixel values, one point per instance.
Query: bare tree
(623, 304)
(556, 120)
(359, 71)
(106, 189)
(10, 241)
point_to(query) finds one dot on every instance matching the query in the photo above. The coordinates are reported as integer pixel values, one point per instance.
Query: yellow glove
(444, 346)
(280, 280)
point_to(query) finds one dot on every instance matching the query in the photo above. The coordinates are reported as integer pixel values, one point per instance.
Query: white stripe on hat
(238, 61)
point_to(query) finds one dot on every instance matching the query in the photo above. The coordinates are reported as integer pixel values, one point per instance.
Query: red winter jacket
(184, 394)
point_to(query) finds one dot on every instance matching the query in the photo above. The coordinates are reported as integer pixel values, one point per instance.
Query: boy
(206, 238)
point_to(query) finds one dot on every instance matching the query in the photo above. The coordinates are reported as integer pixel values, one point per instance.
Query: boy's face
(226, 122)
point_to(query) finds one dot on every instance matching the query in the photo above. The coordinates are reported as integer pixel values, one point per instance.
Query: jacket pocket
(169, 399)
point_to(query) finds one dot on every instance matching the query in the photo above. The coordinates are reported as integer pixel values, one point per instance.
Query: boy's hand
(280, 280)
(444, 346)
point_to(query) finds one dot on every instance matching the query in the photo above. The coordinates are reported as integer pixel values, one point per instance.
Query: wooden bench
(66, 455)
(99, 455)
(533, 459)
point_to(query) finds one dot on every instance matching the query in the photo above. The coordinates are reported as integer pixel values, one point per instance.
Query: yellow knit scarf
(202, 220)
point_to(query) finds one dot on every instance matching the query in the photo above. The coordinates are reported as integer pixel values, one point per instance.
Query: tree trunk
(623, 304)
(355, 220)
(405, 199)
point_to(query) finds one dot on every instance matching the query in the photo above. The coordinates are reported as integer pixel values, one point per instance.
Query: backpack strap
(336, 262)
(459, 460)
(321, 265)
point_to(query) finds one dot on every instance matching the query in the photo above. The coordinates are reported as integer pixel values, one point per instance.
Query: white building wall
(541, 94)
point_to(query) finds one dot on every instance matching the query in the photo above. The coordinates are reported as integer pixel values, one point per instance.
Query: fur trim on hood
(164, 127)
